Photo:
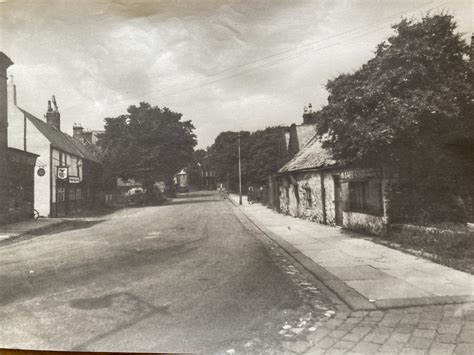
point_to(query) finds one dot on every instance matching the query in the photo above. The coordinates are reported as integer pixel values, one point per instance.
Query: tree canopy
(415, 92)
(148, 143)
(405, 107)
(262, 152)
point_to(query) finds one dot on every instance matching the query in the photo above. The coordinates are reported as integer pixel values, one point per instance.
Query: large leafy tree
(267, 153)
(404, 109)
(224, 157)
(262, 153)
(148, 143)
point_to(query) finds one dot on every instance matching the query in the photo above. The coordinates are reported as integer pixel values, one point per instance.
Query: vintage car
(134, 196)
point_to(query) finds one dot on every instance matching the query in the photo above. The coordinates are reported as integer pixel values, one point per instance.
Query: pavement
(13, 230)
(397, 303)
(364, 274)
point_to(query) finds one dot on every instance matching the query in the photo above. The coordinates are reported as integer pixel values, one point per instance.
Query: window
(366, 197)
(61, 194)
(72, 193)
(308, 197)
(78, 193)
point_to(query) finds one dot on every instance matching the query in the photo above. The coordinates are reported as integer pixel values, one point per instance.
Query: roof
(22, 157)
(63, 141)
(312, 156)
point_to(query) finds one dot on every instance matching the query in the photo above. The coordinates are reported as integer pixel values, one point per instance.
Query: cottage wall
(38, 144)
(320, 205)
(16, 121)
(329, 194)
(23, 135)
(311, 203)
(373, 223)
(283, 192)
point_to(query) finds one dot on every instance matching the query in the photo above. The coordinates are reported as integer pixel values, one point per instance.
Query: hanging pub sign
(41, 172)
(62, 173)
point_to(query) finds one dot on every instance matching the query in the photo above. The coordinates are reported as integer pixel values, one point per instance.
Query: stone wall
(320, 206)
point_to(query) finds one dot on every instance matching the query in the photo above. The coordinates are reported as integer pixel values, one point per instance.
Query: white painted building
(54, 196)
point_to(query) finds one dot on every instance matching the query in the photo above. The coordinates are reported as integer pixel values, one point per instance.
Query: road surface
(189, 276)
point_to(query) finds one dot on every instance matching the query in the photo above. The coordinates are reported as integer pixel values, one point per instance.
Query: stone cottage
(314, 186)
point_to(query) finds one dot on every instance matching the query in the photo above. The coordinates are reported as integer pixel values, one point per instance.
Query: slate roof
(63, 141)
(311, 156)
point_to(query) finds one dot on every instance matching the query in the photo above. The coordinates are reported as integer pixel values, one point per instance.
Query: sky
(225, 65)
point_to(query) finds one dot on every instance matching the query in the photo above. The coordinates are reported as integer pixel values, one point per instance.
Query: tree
(403, 109)
(195, 167)
(262, 153)
(147, 144)
(224, 157)
(267, 154)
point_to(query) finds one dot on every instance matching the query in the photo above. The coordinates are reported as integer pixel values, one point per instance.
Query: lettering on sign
(74, 180)
(360, 174)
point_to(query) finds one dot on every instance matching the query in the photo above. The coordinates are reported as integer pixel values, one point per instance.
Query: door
(337, 200)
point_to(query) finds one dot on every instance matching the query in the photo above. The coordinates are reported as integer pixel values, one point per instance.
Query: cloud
(223, 64)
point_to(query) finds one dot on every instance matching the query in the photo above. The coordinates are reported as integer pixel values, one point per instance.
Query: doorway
(337, 200)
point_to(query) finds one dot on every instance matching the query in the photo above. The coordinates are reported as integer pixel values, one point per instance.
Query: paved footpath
(398, 303)
(13, 230)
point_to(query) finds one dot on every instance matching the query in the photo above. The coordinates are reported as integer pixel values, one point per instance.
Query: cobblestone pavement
(443, 330)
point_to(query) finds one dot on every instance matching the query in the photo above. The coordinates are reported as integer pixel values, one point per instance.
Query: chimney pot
(77, 130)
(55, 104)
(53, 117)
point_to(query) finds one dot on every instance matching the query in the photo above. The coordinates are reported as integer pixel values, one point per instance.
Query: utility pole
(240, 174)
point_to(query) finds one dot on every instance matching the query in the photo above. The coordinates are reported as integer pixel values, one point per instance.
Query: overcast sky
(226, 65)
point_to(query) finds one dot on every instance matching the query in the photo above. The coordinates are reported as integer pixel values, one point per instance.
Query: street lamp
(240, 173)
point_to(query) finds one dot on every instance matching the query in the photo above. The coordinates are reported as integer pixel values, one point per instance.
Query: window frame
(360, 195)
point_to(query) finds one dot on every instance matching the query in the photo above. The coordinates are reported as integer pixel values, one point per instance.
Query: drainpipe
(323, 198)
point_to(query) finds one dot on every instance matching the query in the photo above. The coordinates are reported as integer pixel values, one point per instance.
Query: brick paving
(447, 329)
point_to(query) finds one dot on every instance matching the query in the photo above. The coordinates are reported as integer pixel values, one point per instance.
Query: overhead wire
(274, 59)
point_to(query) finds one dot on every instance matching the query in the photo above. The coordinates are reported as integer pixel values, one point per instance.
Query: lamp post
(240, 173)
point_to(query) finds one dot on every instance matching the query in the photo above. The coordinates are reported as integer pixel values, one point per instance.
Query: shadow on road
(182, 201)
(197, 194)
(119, 305)
(65, 226)
(86, 271)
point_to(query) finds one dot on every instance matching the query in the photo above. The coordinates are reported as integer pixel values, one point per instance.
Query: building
(16, 166)
(299, 135)
(314, 186)
(68, 172)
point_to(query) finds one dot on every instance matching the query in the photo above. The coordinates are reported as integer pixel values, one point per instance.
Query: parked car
(135, 196)
(153, 196)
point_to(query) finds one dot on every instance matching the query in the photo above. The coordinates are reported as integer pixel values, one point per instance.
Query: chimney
(87, 135)
(308, 115)
(53, 117)
(77, 131)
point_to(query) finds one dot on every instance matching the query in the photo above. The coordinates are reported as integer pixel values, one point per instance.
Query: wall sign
(41, 172)
(358, 174)
(74, 180)
(62, 173)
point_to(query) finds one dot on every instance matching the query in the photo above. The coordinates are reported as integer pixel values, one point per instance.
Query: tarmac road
(188, 276)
